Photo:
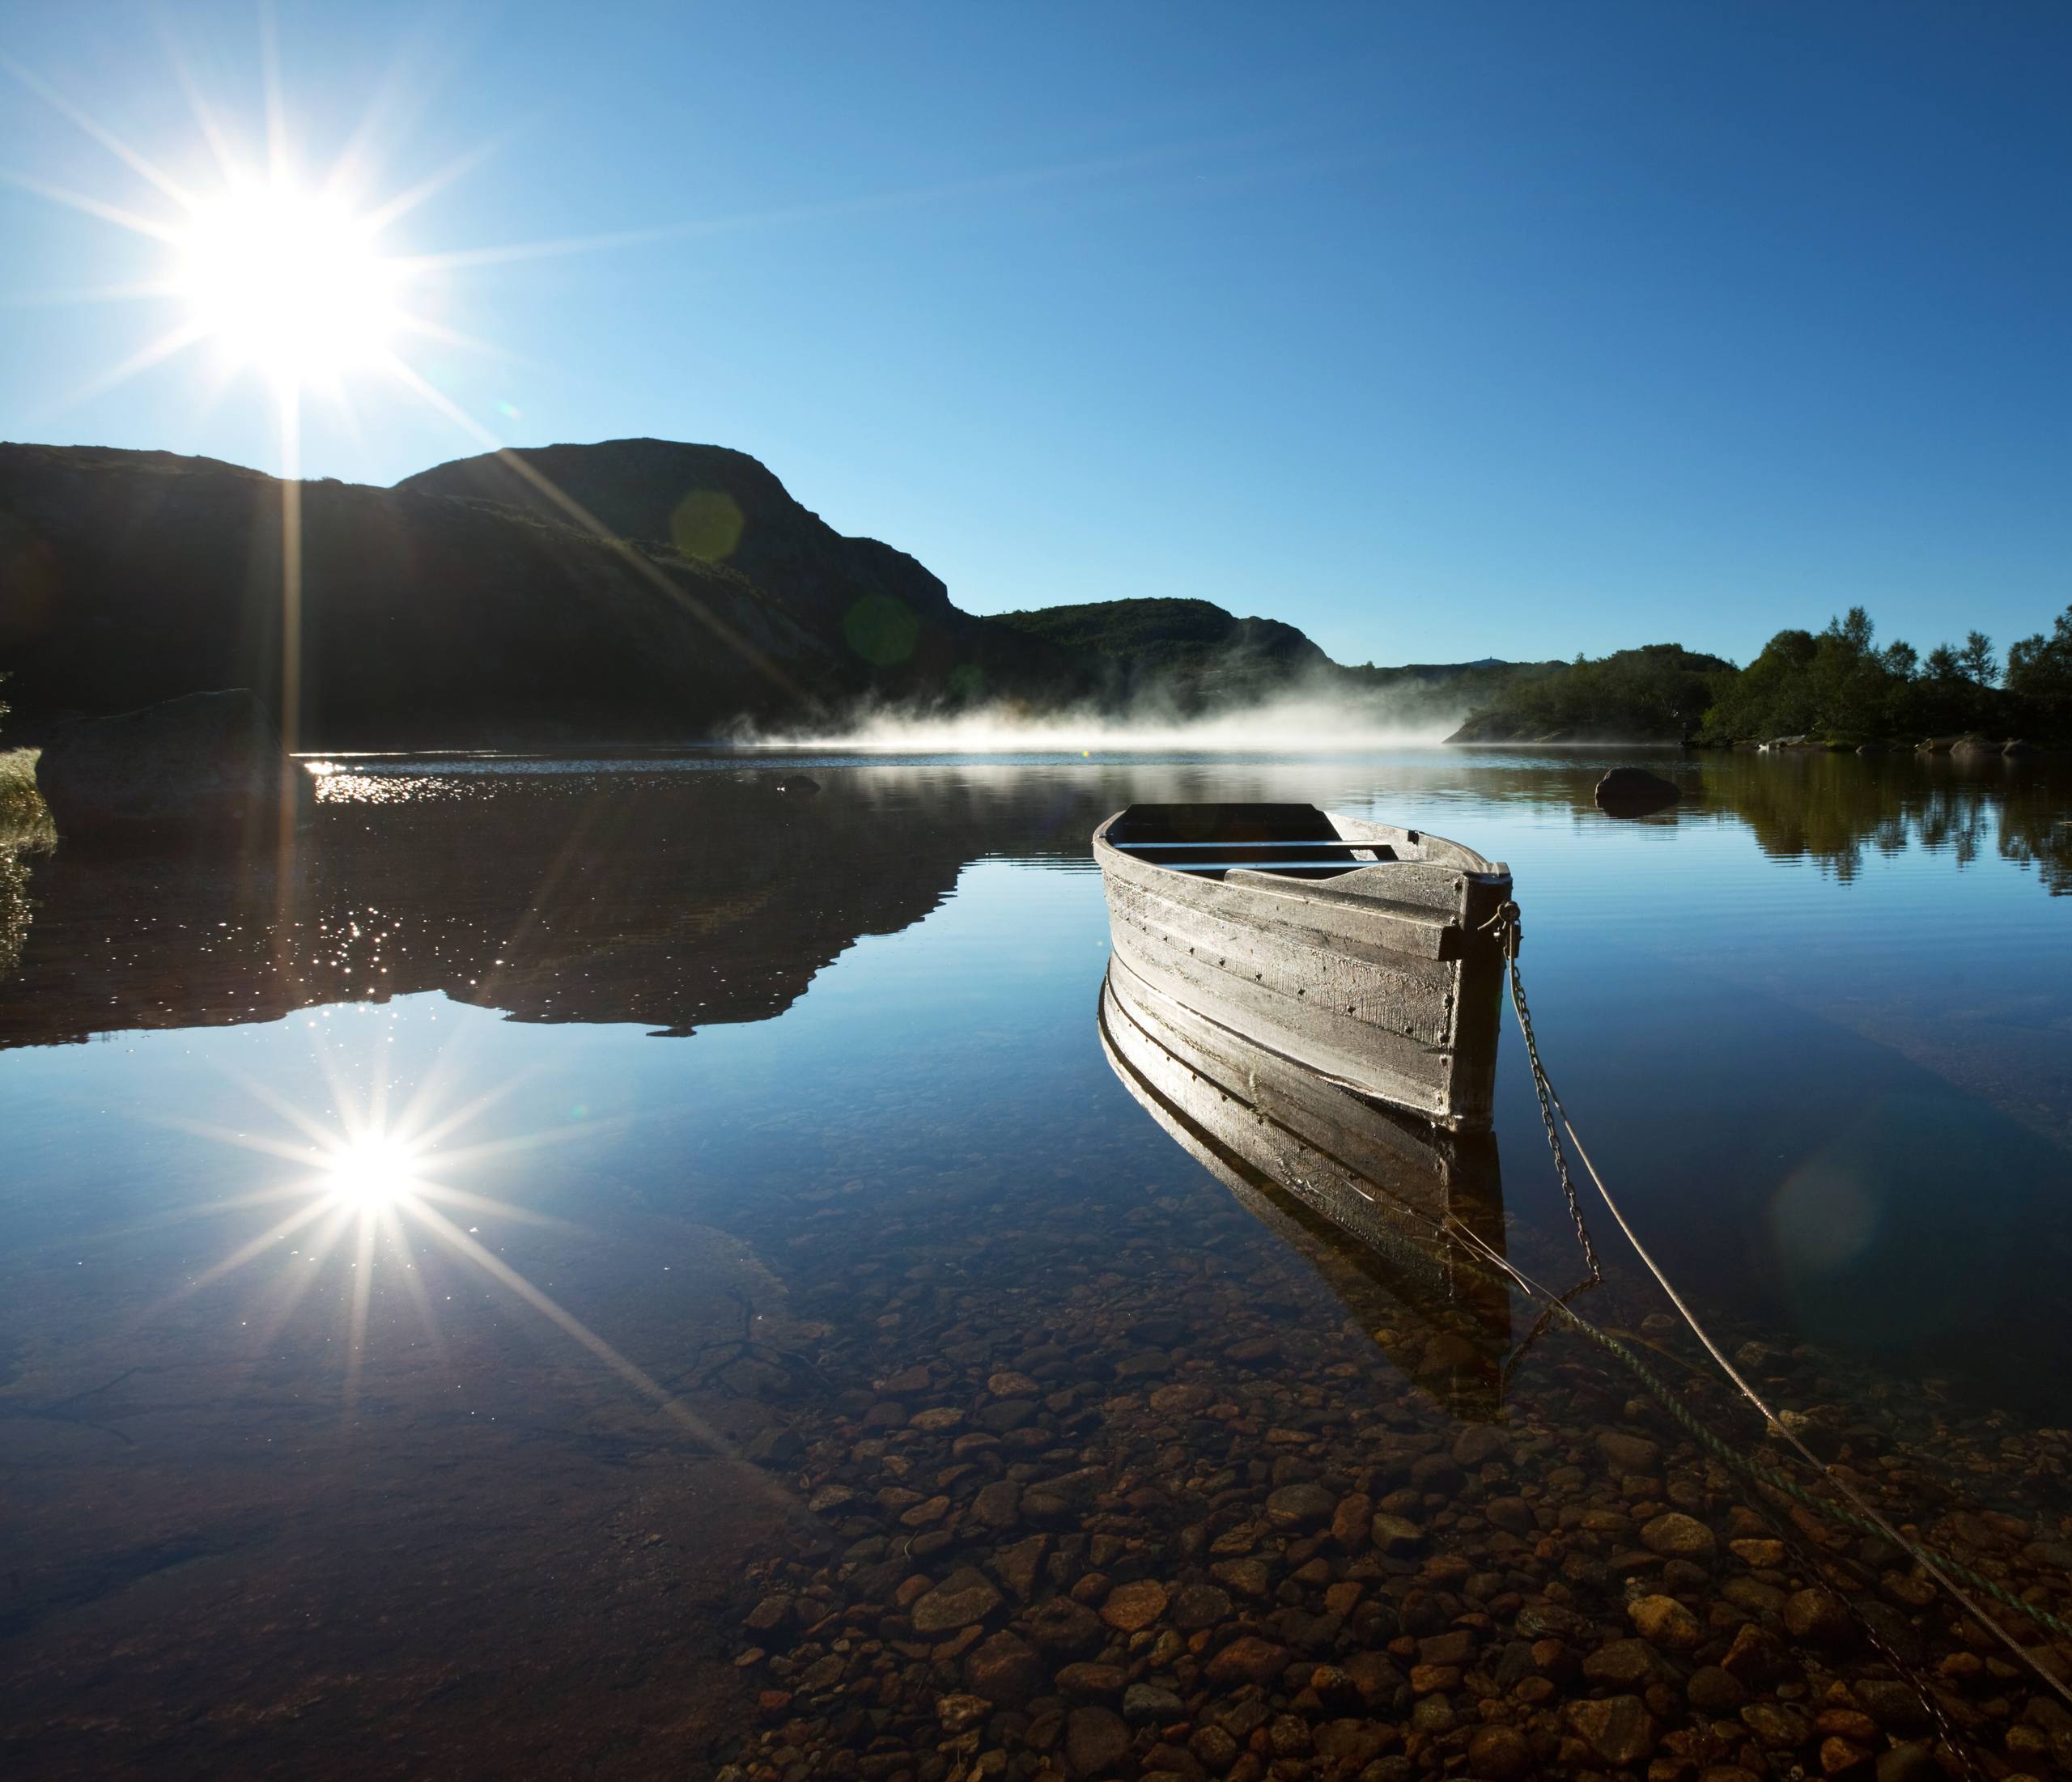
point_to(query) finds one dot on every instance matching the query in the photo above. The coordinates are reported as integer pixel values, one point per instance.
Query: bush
(24, 821)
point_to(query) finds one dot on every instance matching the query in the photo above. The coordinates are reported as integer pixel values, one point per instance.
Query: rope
(1861, 1515)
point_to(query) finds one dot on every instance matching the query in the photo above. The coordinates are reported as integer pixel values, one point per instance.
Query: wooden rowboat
(1360, 951)
(1402, 1221)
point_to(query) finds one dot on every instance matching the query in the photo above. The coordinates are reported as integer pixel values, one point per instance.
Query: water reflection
(1397, 1217)
(693, 893)
(1836, 809)
(956, 1311)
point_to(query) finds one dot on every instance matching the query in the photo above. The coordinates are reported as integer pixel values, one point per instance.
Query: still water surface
(454, 1282)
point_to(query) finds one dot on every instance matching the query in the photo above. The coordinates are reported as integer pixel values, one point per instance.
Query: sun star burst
(290, 283)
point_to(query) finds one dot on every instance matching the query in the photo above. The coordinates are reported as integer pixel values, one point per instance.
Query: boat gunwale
(1437, 850)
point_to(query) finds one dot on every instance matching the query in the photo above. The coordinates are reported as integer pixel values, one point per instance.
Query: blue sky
(1440, 331)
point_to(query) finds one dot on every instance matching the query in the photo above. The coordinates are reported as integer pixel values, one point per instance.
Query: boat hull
(1386, 977)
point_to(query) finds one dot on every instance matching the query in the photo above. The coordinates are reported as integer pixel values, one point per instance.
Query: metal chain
(1509, 932)
(1507, 924)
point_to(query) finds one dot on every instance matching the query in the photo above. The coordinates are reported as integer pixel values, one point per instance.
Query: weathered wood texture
(1385, 978)
(1381, 1206)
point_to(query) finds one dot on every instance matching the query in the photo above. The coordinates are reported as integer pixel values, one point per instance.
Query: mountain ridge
(633, 590)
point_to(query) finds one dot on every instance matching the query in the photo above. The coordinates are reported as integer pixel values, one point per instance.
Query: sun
(290, 283)
(370, 1174)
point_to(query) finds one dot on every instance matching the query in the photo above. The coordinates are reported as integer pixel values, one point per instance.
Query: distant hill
(637, 590)
(466, 607)
(1193, 655)
(1188, 653)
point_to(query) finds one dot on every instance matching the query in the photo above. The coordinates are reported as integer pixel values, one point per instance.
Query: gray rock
(210, 762)
(1146, 1704)
(1302, 1506)
(1628, 1453)
(998, 1505)
(961, 1598)
(1393, 1534)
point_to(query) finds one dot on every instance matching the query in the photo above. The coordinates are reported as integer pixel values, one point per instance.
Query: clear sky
(1440, 330)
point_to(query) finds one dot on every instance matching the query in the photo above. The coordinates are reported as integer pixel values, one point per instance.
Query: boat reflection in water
(1387, 1209)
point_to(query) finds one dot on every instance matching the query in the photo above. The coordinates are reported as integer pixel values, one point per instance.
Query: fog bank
(1299, 723)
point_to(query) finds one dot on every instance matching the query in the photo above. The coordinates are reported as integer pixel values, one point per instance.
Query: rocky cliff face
(466, 609)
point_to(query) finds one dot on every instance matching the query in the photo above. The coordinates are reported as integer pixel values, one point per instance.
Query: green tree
(2040, 683)
(2039, 667)
(1977, 660)
(1942, 663)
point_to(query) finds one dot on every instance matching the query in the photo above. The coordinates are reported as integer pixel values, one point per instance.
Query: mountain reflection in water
(687, 893)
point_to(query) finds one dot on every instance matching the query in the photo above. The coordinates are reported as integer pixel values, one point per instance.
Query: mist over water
(1305, 721)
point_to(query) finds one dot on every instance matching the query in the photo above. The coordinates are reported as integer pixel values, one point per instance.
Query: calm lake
(610, 1268)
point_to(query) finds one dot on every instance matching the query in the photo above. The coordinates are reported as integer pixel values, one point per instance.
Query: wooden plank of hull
(1379, 1243)
(1407, 1157)
(1385, 978)
(1337, 1038)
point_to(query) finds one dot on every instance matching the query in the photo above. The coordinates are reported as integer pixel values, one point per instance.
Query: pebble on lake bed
(1268, 1561)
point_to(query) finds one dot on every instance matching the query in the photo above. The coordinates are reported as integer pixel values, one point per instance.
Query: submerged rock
(1620, 1728)
(205, 761)
(1634, 791)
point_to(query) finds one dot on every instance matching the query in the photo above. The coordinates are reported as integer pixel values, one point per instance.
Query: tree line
(1836, 686)
(1839, 683)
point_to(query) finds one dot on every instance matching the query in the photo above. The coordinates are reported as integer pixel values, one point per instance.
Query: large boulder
(206, 761)
(1634, 791)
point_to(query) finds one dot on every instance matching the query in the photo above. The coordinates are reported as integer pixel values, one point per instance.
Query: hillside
(1187, 653)
(634, 591)
(1658, 693)
(431, 618)
(1194, 656)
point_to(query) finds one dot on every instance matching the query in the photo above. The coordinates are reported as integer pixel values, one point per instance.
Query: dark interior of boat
(1296, 841)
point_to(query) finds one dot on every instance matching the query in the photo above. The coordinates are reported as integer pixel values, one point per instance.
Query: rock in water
(205, 761)
(800, 785)
(1619, 1728)
(1634, 791)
